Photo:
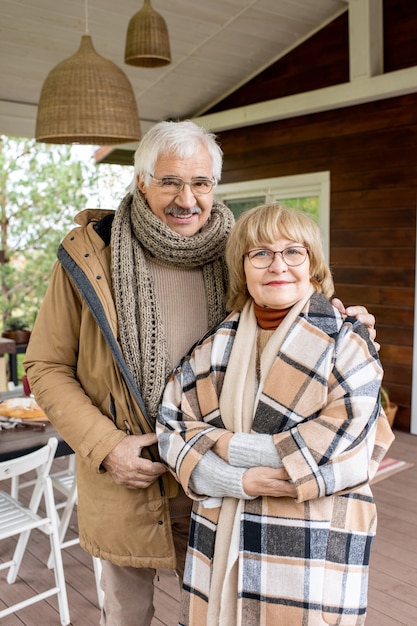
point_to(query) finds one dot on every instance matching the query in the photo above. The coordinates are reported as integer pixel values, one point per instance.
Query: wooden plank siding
(370, 152)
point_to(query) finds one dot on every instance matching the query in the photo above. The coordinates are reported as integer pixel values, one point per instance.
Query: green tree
(42, 187)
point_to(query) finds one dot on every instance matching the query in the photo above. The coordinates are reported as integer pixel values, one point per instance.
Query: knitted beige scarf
(137, 235)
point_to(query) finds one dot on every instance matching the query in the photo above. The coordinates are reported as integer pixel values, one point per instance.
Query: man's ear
(140, 183)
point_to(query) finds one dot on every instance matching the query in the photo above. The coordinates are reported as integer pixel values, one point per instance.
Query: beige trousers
(128, 591)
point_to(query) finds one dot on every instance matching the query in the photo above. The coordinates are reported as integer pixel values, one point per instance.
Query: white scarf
(238, 403)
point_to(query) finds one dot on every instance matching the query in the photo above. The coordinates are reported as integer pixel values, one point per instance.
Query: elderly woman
(273, 425)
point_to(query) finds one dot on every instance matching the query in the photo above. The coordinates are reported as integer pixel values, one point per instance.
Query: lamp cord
(86, 17)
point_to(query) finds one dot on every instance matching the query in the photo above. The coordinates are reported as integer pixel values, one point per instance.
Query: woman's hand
(266, 481)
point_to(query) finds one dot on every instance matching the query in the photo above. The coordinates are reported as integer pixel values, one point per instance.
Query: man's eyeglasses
(174, 185)
(262, 258)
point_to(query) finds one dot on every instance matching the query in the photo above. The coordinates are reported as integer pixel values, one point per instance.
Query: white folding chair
(18, 519)
(65, 482)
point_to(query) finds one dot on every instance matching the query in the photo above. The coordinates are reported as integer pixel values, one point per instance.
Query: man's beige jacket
(78, 376)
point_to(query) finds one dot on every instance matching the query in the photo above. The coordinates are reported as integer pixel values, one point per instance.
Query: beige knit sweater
(173, 286)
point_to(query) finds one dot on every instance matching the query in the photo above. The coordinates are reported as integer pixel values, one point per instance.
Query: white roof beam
(356, 92)
(366, 41)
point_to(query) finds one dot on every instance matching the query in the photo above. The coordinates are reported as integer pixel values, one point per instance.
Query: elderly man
(131, 291)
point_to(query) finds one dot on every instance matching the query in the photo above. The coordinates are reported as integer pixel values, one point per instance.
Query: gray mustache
(179, 212)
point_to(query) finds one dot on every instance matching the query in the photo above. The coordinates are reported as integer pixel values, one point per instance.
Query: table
(16, 442)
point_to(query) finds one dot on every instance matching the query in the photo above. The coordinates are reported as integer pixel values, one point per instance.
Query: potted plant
(17, 329)
(389, 407)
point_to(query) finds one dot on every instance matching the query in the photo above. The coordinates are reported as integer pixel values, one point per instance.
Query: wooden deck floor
(393, 580)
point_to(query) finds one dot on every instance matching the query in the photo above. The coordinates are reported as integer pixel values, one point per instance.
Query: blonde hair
(265, 224)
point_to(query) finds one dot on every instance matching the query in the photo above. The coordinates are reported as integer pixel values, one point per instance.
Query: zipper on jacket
(112, 409)
(127, 427)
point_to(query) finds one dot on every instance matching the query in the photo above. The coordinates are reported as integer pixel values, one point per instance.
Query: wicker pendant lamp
(87, 99)
(147, 41)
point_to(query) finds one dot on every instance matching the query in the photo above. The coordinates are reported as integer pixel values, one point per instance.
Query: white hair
(183, 139)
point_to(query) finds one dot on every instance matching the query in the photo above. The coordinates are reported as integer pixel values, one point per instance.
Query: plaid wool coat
(302, 561)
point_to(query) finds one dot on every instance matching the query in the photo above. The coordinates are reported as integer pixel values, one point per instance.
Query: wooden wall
(370, 151)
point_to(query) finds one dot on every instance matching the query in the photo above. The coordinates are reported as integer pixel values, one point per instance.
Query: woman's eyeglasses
(261, 258)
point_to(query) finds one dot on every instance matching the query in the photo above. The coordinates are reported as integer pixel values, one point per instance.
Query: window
(304, 192)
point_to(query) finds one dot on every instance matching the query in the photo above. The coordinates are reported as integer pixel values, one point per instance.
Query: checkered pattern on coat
(302, 561)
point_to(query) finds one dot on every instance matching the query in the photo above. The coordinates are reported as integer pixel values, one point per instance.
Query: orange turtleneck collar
(269, 319)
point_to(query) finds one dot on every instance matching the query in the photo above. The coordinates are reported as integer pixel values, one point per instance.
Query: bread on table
(23, 408)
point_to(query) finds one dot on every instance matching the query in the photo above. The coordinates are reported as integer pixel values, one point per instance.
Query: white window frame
(413, 420)
(298, 186)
